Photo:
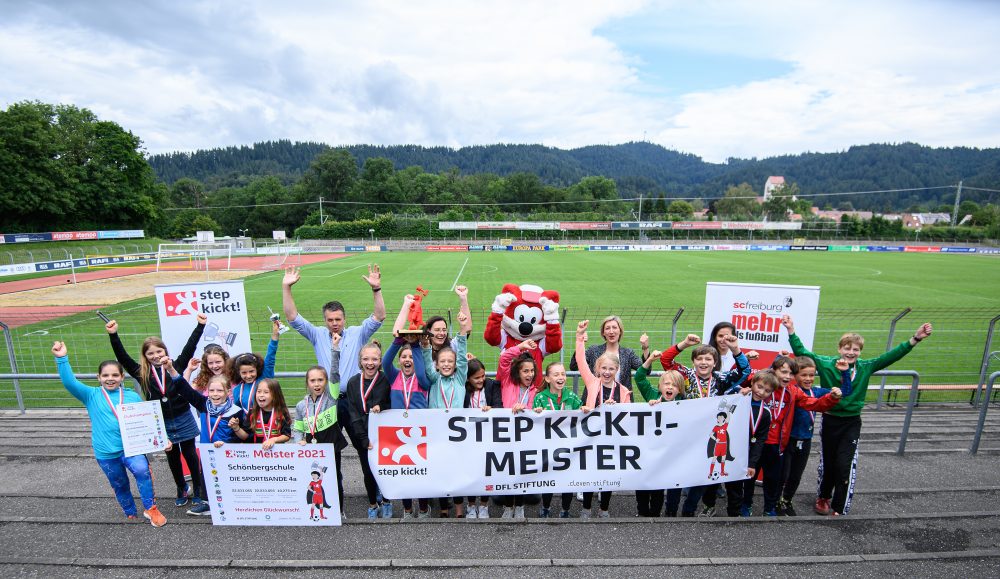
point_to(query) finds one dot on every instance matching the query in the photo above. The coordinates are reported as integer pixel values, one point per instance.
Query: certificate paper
(142, 427)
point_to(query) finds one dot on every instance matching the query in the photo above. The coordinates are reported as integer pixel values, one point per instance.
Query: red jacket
(783, 403)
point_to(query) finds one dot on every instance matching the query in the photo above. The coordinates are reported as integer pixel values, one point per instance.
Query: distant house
(918, 220)
(773, 182)
(836, 215)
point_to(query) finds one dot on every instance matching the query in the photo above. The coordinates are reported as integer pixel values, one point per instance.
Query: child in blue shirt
(103, 404)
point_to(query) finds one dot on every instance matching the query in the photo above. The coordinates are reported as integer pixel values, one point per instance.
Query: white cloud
(195, 75)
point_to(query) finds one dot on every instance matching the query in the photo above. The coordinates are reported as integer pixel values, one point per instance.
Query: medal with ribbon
(407, 392)
(365, 393)
(266, 430)
(315, 414)
(121, 399)
(755, 423)
(160, 376)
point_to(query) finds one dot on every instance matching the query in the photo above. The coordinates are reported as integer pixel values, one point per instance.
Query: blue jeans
(117, 469)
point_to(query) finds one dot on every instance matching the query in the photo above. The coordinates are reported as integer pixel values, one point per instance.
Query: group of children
(238, 400)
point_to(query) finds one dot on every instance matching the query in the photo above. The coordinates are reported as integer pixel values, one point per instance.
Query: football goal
(194, 257)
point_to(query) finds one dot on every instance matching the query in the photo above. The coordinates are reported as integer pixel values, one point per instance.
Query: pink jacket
(592, 382)
(509, 390)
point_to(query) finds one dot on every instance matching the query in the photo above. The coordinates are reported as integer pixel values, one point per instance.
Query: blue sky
(719, 79)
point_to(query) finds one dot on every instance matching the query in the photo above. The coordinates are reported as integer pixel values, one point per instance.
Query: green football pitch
(859, 292)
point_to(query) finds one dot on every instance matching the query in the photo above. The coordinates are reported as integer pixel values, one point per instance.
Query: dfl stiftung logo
(402, 445)
(181, 303)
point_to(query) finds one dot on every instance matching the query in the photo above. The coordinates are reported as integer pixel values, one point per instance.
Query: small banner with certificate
(468, 452)
(142, 427)
(288, 485)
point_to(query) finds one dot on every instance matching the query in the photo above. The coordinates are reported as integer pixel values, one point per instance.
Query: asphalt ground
(932, 511)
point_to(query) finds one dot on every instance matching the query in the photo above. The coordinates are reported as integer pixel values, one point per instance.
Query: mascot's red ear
(512, 289)
(551, 294)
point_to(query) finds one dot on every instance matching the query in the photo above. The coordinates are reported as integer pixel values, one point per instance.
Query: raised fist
(501, 302)
(550, 309)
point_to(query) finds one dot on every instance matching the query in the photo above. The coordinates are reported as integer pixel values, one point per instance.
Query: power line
(981, 189)
(618, 200)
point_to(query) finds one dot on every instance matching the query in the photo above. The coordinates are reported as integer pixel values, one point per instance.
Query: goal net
(280, 254)
(194, 257)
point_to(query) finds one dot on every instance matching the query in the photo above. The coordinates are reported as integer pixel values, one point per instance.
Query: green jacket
(648, 391)
(851, 404)
(570, 401)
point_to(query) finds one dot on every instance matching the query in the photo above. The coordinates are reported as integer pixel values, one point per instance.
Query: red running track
(20, 316)
(243, 262)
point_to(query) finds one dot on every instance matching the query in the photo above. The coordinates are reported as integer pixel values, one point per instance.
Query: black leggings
(423, 504)
(840, 446)
(796, 458)
(189, 450)
(567, 500)
(588, 500)
(649, 503)
(371, 486)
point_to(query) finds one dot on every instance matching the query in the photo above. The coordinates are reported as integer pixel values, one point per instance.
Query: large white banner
(467, 452)
(225, 304)
(142, 427)
(289, 485)
(756, 310)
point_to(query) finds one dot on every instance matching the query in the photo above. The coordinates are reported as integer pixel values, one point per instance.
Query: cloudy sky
(717, 79)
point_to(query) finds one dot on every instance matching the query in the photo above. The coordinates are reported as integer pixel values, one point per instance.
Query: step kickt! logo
(181, 303)
(402, 445)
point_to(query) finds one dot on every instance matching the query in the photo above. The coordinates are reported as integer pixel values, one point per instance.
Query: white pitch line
(455, 283)
(345, 271)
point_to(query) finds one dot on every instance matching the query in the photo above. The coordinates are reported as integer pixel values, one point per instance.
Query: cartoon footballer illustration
(316, 495)
(718, 442)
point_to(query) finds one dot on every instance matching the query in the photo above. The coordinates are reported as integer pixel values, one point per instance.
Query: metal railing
(982, 413)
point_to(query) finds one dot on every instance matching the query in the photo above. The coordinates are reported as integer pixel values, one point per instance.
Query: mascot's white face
(524, 321)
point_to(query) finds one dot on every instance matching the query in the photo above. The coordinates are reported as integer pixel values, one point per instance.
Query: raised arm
(404, 314)
(389, 359)
(895, 354)
(287, 301)
(78, 389)
(463, 306)
(120, 354)
(586, 374)
(192, 344)
(642, 382)
(374, 279)
(271, 357)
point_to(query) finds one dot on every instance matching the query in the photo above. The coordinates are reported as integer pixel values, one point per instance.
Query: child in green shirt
(556, 397)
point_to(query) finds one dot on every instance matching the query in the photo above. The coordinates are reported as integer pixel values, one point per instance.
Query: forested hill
(638, 168)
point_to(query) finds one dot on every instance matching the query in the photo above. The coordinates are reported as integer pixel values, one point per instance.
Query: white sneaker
(484, 511)
(519, 513)
(602, 514)
(472, 512)
(584, 513)
(579, 497)
(508, 513)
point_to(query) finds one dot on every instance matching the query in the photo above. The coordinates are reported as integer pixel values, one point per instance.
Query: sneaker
(372, 513)
(387, 510)
(579, 497)
(199, 508)
(602, 514)
(746, 511)
(183, 497)
(130, 518)
(771, 513)
(707, 512)
(424, 514)
(823, 507)
(408, 515)
(585, 513)
(789, 509)
(484, 511)
(563, 514)
(835, 514)
(508, 513)
(519, 513)
(155, 517)
(544, 513)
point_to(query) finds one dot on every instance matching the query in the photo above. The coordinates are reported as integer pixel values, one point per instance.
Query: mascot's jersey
(522, 313)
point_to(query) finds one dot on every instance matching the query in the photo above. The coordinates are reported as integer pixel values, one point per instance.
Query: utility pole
(958, 199)
(321, 211)
(640, 212)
